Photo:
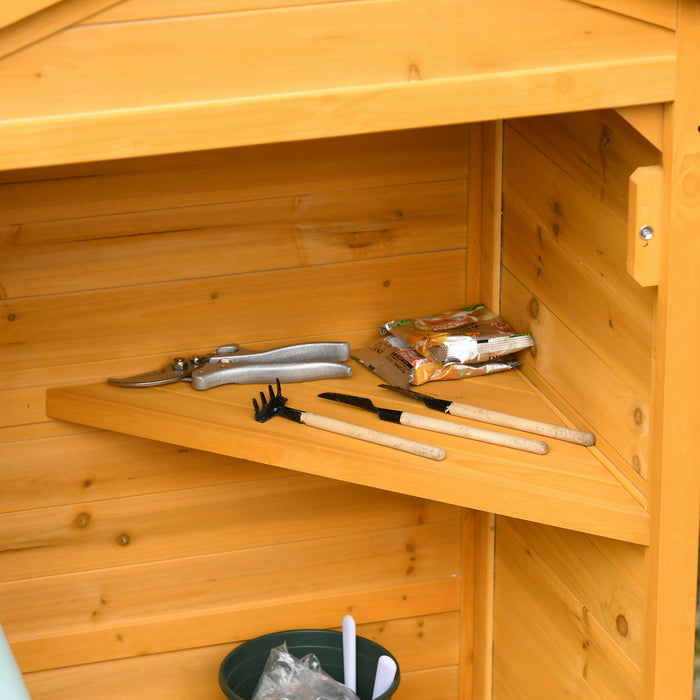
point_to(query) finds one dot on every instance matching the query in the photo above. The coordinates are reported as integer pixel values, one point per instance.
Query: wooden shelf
(570, 487)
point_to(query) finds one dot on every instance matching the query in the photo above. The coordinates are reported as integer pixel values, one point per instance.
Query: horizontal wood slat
(256, 307)
(193, 674)
(207, 241)
(294, 74)
(92, 467)
(234, 175)
(310, 48)
(117, 612)
(155, 527)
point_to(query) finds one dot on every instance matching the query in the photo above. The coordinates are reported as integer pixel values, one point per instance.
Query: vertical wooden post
(476, 637)
(675, 481)
(484, 214)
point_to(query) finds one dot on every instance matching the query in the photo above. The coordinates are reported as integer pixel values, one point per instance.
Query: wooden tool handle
(484, 415)
(439, 425)
(368, 435)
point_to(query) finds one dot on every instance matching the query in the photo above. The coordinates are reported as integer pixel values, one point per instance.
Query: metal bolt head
(646, 233)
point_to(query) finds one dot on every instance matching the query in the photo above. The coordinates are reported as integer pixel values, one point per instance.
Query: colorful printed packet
(398, 364)
(468, 335)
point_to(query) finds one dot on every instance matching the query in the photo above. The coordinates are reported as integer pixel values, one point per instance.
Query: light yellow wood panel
(439, 683)
(554, 203)
(661, 12)
(135, 10)
(599, 148)
(233, 175)
(39, 19)
(613, 599)
(523, 75)
(188, 585)
(676, 477)
(648, 120)
(484, 194)
(97, 466)
(193, 674)
(129, 133)
(549, 638)
(617, 413)
(566, 487)
(198, 521)
(255, 308)
(476, 676)
(592, 310)
(207, 241)
(126, 611)
(15, 10)
(318, 611)
(304, 49)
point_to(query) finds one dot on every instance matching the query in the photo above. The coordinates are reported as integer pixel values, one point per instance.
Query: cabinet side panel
(568, 619)
(564, 258)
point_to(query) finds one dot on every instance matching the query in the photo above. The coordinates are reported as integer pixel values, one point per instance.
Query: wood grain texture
(676, 477)
(145, 608)
(174, 525)
(294, 74)
(565, 277)
(193, 674)
(567, 621)
(661, 12)
(38, 19)
(564, 487)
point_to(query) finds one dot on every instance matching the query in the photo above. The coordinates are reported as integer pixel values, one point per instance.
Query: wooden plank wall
(570, 604)
(128, 568)
(568, 614)
(564, 249)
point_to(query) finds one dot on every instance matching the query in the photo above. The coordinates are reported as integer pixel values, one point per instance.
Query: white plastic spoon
(386, 670)
(349, 652)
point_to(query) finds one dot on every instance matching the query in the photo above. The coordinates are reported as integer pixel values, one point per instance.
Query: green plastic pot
(241, 669)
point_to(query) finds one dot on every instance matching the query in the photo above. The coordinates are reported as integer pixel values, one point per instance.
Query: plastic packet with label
(472, 334)
(398, 364)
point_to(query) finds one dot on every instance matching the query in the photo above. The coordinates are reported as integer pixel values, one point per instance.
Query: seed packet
(398, 364)
(468, 335)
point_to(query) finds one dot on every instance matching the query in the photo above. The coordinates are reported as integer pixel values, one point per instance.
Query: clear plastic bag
(287, 678)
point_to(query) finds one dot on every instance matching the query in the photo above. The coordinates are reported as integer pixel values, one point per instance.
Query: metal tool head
(350, 399)
(274, 406)
(429, 401)
(269, 408)
(386, 414)
(179, 370)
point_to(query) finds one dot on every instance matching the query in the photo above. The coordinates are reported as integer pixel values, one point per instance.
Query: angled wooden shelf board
(569, 487)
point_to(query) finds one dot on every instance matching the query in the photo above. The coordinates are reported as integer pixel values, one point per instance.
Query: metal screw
(646, 233)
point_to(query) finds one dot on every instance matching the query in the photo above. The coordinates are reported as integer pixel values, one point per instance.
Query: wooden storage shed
(180, 174)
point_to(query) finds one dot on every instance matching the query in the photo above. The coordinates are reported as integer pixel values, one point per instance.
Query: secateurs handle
(300, 352)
